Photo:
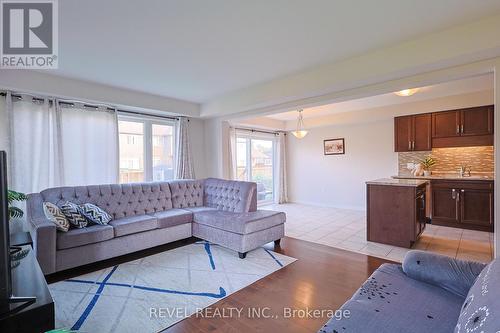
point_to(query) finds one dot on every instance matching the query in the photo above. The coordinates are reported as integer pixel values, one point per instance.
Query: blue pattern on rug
(92, 303)
(88, 309)
(207, 246)
(272, 256)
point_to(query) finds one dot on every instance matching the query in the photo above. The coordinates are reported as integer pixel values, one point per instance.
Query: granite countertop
(398, 182)
(447, 177)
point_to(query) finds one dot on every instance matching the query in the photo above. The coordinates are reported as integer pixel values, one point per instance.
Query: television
(5, 270)
(6, 297)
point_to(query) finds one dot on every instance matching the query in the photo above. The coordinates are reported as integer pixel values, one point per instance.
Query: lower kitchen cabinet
(463, 204)
(395, 214)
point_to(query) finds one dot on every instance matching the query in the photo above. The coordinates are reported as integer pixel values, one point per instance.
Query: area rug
(153, 293)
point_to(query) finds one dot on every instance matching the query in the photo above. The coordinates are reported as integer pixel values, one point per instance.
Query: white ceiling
(469, 85)
(197, 50)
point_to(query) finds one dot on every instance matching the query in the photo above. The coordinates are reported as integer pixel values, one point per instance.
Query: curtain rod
(259, 131)
(109, 108)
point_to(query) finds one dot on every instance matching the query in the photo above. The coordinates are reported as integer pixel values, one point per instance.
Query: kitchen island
(396, 210)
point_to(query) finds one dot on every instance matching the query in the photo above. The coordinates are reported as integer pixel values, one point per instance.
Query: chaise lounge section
(150, 214)
(427, 293)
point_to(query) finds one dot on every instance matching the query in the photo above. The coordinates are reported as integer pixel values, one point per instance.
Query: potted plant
(15, 212)
(428, 163)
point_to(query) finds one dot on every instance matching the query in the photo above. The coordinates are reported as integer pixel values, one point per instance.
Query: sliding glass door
(255, 161)
(147, 149)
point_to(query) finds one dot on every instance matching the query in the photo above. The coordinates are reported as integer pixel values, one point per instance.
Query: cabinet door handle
(456, 206)
(458, 129)
(413, 145)
(462, 129)
(454, 194)
(463, 191)
(409, 145)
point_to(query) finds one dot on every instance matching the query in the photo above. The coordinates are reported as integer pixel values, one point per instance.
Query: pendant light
(300, 132)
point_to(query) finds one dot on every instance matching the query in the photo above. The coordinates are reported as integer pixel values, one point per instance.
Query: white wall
(50, 85)
(339, 180)
(197, 136)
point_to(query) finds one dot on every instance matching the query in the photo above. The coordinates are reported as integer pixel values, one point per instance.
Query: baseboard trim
(316, 204)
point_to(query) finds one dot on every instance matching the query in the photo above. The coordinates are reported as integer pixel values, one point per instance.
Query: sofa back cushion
(231, 196)
(481, 308)
(187, 193)
(119, 200)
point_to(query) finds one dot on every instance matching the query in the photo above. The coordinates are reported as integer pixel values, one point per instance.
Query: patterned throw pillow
(72, 212)
(95, 214)
(481, 308)
(56, 216)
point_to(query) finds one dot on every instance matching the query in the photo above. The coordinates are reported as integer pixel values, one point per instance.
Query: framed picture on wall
(334, 146)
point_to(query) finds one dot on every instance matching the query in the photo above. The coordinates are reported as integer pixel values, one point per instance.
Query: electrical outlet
(410, 166)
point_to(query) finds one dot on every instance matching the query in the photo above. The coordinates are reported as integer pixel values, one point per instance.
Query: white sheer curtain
(232, 153)
(281, 179)
(90, 146)
(184, 168)
(35, 145)
(53, 146)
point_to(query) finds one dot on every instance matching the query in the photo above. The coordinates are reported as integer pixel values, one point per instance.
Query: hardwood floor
(322, 278)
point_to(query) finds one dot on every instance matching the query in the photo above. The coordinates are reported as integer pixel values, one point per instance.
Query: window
(147, 149)
(255, 162)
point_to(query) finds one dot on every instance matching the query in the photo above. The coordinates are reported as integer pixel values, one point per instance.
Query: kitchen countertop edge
(398, 182)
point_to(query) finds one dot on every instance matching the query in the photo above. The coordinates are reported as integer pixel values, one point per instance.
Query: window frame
(147, 123)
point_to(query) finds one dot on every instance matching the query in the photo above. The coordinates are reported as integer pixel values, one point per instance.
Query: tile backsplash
(449, 160)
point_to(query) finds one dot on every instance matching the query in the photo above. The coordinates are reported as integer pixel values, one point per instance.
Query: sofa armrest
(43, 232)
(456, 276)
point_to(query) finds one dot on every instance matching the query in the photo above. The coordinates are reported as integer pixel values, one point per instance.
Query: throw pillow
(480, 310)
(95, 214)
(56, 216)
(72, 213)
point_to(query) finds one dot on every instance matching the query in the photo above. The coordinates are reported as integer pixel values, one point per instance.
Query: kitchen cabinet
(463, 128)
(477, 121)
(446, 124)
(412, 133)
(455, 128)
(396, 213)
(463, 204)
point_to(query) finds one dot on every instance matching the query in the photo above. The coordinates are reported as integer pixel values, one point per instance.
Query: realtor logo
(29, 34)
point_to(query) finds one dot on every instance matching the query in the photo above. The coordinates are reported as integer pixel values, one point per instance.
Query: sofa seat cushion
(391, 302)
(200, 209)
(240, 223)
(134, 224)
(84, 236)
(173, 217)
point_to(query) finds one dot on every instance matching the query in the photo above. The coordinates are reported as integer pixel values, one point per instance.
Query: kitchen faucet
(465, 171)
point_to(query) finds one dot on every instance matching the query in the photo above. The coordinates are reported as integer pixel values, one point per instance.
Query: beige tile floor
(346, 229)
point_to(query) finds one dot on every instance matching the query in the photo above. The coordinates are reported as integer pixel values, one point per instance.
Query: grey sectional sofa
(151, 214)
(427, 293)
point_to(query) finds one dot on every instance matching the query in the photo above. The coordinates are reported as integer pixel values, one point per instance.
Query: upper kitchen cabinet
(446, 124)
(463, 128)
(412, 133)
(477, 121)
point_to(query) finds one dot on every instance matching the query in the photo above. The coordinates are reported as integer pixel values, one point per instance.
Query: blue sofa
(427, 293)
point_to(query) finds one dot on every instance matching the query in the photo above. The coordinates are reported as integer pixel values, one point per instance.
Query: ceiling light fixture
(407, 92)
(300, 132)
